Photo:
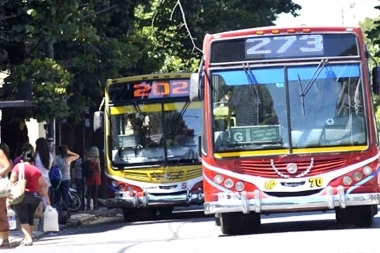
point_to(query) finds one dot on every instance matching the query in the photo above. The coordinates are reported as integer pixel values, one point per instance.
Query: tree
(66, 49)
(178, 27)
(371, 29)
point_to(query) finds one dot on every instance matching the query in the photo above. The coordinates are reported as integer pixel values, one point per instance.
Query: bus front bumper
(283, 204)
(131, 200)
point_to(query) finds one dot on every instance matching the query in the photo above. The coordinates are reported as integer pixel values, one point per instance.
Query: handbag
(18, 188)
(5, 188)
(51, 220)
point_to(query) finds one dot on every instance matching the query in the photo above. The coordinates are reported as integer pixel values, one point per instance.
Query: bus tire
(138, 214)
(239, 223)
(343, 216)
(217, 220)
(165, 212)
(363, 216)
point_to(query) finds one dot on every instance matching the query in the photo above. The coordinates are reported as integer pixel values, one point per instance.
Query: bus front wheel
(217, 220)
(363, 215)
(138, 214)
(239, 223)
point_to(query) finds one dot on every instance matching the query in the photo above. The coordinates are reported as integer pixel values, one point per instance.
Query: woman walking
(93, 182)
(35, 189)
(5, 168)
(64, 159)
(43, 161)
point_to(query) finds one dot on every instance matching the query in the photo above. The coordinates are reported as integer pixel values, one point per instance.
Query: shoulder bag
(18, 188)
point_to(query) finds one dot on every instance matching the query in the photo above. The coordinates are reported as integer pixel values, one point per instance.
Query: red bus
(289, 125)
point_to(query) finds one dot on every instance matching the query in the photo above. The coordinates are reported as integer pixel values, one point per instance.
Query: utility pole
(50, 129)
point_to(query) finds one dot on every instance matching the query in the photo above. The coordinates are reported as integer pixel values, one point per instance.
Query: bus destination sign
(255, 134)
(149, 89)
(284, 47)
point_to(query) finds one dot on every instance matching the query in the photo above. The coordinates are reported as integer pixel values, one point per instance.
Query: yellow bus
(151, 132)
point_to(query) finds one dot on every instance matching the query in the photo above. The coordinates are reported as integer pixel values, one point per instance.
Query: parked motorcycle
(75, 203)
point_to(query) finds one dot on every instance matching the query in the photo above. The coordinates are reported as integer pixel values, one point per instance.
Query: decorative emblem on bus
(292, 168)
(168, 176)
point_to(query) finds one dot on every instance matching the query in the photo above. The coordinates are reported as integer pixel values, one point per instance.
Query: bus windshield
(316, 105)
(151, 133)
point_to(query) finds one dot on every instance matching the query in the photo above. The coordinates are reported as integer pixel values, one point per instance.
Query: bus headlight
(121, 187)
(228, 183)
(357, 176)
(130, 188)
(239, 186)
(347, 180)
(218, 178)
(367, 170)
(114, 183)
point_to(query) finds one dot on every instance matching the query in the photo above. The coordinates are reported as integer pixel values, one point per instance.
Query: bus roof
(150, 77)
(283, 29)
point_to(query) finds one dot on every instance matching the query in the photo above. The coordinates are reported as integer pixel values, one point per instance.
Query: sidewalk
(76, 220)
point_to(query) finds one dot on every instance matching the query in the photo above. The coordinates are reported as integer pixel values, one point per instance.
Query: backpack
(55, 176)
(88, 171)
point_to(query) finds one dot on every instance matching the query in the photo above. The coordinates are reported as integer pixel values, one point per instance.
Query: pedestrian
(5, 168)
(20, 136)
(78, 177)
(64, 159)
(25, 147)
(35, 189)
(43, 161)
(95, 181)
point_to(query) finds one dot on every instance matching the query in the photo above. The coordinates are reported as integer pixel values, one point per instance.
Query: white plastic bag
(51, 219)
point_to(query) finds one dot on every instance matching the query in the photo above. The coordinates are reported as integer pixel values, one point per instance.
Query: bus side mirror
(196, 87)
(376, 80)
(98, 120)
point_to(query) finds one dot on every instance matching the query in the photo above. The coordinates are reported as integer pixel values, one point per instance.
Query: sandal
(24, 243)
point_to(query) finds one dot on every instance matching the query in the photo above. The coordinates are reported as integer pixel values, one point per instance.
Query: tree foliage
(371, 29)
(179, 26)
(66, 49)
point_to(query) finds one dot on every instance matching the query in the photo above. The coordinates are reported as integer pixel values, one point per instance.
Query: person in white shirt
(44, 161)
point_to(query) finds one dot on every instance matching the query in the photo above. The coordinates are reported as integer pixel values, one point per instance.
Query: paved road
(194, 232)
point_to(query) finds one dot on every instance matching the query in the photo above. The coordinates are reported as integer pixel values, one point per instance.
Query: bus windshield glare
(138, 133)
(316, 105)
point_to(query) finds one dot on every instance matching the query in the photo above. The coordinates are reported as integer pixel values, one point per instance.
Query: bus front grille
(163, 175)
(281, 168)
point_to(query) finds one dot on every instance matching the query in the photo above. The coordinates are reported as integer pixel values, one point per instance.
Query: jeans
(79, 186)
(62, 193)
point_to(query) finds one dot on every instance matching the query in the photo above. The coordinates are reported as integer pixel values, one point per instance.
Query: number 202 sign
(284, 46)
(161, 89)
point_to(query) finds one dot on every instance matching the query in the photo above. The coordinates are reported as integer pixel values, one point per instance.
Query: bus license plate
(225, 196)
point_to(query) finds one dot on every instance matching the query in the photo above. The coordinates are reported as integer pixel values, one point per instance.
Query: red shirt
(32, 175)
(95, 179)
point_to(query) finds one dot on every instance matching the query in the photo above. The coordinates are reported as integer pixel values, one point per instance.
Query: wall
(35, 131)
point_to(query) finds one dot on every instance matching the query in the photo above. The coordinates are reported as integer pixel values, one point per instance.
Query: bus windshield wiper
(253, 82)
(302, 97)
(314, 77)
(137, 108)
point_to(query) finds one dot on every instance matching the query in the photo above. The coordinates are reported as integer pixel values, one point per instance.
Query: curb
(76, 220)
